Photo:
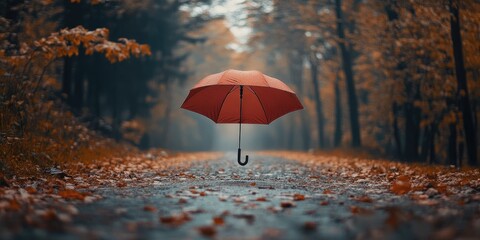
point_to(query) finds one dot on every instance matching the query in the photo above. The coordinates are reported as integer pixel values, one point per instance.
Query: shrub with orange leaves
(37, 131)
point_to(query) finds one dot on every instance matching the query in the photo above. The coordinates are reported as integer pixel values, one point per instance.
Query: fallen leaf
(298, 197)
(327, 191)
(175, 220)
(71, 194)
(208, 231)
(324, 203)
(364, 199)
(14, 205)
(287, 204)
(359, 210)
(218, 220)
(49, 215)
(149, 208)
(121, 184)
(193, 191)
(31, 190)
(401, 185)
(309, 226)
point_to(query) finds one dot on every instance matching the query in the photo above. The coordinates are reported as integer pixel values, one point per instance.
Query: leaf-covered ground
(278, 195)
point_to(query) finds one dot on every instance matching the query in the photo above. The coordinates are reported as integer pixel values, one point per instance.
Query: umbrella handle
(239, 156)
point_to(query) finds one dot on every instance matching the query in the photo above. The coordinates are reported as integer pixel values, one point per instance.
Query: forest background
(394, 78)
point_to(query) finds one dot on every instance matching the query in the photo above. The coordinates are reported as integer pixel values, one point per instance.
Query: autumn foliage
(381, 74)
(37, 128)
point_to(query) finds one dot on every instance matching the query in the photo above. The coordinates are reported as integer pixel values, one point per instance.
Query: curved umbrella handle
(239, 156)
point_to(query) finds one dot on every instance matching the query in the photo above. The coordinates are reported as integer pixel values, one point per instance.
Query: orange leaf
(71, 194)
(309, 226)
(208, 231)
(401, 185)
(14, 205)
(324, 203)
(287, 204)
(31, 190)
(359, 210)
(149, 208)
(298, 197)
(364, 198)
(193, 191)
(327, 191)
(218, 221)
(176, 220)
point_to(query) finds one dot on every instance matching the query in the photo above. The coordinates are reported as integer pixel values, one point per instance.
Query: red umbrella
(234, 96)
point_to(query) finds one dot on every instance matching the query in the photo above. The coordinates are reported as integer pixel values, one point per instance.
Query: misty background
(396, 78)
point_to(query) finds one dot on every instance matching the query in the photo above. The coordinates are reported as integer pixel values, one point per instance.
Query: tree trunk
(350, 84)
(433, 130)
(67, 77)
(78, 88)
(71, 18)
(291, 134)
(115, 105)
(462, 87)
(452, 145)
(337, 139)
(396, 130)
(93, 79)
(318, 102)
(425, 144)
(412, 129)
(411, 113)
(166, 126)
(296, 75)
(167, 116)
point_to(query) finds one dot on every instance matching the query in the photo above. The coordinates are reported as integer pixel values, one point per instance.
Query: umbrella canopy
(234, 96)
(265, 98)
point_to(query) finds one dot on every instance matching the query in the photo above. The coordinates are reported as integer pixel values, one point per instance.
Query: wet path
(248, 200)
(270, 198)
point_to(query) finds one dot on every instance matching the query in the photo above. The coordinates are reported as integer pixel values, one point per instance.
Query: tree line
(400, 77)
(113, 98)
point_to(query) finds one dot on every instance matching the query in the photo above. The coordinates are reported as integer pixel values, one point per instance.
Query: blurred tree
(347, 68)
(278, 30)
(120, 92)
(462, 87)
(405, 55)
